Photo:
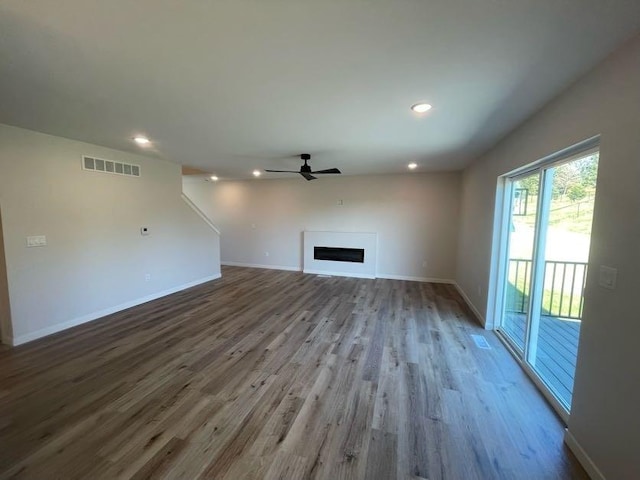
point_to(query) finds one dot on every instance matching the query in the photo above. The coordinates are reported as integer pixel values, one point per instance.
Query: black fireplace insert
(339, 254)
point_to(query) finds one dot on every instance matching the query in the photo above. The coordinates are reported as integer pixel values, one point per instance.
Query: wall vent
(94, 164)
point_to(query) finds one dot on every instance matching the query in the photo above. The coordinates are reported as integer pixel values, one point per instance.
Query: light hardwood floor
(268, 374)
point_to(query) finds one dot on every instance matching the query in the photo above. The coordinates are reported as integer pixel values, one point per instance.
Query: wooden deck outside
(557, 350)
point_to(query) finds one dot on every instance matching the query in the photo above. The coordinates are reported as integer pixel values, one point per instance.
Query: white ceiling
(229, 86)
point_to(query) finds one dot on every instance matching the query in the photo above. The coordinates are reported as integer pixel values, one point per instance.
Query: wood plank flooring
(278, 375)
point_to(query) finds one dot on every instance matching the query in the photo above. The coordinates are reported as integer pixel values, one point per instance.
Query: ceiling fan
(305, 170)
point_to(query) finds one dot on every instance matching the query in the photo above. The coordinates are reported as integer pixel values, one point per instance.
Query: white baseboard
(415, 279)
(470, 304)
(259, 265)
(340, 274)
(582, 456)
(28, 337)
(337, 274)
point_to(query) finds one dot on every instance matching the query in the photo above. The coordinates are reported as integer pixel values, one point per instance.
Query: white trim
(28, 337)
(259, 265)
(578, 150)
(200, 213)
(499, 253)
(415, 279)
(338, 274)
(582, 456)
(473, 308)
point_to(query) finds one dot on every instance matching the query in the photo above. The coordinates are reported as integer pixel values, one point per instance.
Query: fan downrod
(305, 168)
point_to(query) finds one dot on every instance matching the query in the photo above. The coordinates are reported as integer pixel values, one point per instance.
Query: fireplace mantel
(341, 240)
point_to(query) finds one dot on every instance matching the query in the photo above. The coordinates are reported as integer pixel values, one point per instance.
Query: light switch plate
(36, 241)
(608, 277)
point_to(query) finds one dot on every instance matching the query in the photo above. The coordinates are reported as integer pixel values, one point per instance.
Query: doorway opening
(542, 265)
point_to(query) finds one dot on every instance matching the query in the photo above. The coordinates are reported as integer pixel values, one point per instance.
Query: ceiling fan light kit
(305, 169)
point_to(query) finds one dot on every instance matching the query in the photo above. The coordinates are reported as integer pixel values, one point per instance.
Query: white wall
(604, 418)
(415, 216)
(96, 260)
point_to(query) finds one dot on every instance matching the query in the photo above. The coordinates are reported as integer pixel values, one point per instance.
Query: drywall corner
(481, 320)
(5, 307)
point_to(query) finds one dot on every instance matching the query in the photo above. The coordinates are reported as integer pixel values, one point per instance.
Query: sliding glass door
(547, 238)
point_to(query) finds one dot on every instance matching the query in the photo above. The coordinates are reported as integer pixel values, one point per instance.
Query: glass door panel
(521, 242)
(563, 251)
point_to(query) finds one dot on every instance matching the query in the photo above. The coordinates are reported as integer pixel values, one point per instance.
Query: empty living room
(319, 240)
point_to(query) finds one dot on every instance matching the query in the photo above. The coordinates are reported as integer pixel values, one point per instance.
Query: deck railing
(563, 291)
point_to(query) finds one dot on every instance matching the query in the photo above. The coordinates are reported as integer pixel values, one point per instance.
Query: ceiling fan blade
(282, 171)
(329, 170)
(306, 175)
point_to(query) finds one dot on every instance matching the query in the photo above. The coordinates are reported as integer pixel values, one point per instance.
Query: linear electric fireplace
(349, 254)
(338, 254)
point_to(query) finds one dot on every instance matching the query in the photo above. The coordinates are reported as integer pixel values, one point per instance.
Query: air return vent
(109, 166)
(481, 342)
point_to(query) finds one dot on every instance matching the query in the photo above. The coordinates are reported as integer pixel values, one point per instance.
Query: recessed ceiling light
(421, 107)
(140, 140)
(412, 166)
(214, 178)
(256, 173)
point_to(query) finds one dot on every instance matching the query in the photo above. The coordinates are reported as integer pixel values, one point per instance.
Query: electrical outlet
(266, 254)
(424, 264)
(147, 277)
